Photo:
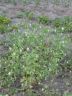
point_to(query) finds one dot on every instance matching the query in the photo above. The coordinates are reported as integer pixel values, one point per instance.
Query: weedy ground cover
(34, 52)
(32, 56)
(6, 26)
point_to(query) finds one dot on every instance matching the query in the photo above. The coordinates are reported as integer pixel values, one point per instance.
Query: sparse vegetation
(38, 52)
(5, 25)
(57, 22)
(29, 15)
(43, 20)
(30, 58)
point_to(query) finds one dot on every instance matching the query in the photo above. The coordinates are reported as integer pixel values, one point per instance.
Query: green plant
(37, 2)
(6, 26)
(30, 15)
(22, 14)
(68, 27)
(43, 20)
(67, 94)
(4, 95)
(26, 14)
(67, 19)
(14, 27)
(3, 28)
(30, 58)
(58, 22)
(4, 20)
(63, 24)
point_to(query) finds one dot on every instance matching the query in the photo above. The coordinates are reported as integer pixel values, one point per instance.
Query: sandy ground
(44, 8)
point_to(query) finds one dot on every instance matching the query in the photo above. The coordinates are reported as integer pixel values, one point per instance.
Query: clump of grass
(26, 14)
(14, 28)
(63, 24)
(20, 15)
(37, 2)
(3, 28)
(68, 27)
(4, 20)
(5, 25)
(31, 58)
(43, 20)
(67, 19)
(58, 22)
(67, 94)
(30, 15)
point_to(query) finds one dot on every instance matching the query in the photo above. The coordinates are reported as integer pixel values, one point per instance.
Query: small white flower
(9, 73)
(49, 69)
(55, 30)
(23, 66)
(67, 62)
(40, 27)
(42, 89)
(45, 66)
(65, 54)
(41, 40)
(31, 86)
(10, 48)
(62, 28)
(13, 44)
(6, 95)
(39, 83)
(28, 49)
(14, 54)
(70, 71)
(37, 56)
(45, 78)
(30, 24)
(26, 34)
(5, 62)
(48, 30)
(20, 50)
(63, 42)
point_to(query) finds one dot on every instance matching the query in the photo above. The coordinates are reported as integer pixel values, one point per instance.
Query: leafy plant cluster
(43, 20)
(6, 26)
(26, 14)
(31, 58)
(31, 16)
(63, 24)
(32, 55)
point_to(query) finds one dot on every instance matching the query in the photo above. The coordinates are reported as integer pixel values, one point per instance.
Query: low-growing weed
(30, 59)
(67, 94)
(58, 22)
(68, 27)
(28, 15)
(43, 20)
(32, 56)
(63, 24)
(5, 25)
